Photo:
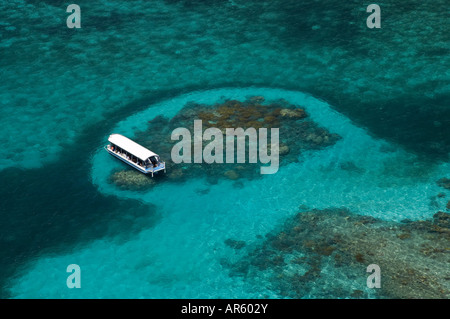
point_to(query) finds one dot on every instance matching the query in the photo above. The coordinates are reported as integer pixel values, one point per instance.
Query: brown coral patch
(295, 131)
(132, 180)
(413, 268)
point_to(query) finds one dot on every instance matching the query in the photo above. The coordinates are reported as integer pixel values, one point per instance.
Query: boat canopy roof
(130, 146)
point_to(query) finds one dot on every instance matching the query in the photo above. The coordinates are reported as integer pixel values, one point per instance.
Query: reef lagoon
(364, 172)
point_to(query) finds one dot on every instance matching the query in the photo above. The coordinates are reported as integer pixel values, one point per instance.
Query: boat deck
(146, 170)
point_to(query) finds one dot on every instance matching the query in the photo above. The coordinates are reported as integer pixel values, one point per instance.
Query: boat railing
(152, 169)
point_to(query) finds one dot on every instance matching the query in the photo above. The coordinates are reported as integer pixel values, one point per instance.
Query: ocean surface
(385, 92)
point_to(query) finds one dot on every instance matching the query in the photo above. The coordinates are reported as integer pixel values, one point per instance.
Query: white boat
(135, 155)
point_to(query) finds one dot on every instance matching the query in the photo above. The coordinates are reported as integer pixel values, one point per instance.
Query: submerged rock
(202, 191)
(175, 174)
(257, 99)
(235, 244)
(442, 219)
(293, 113)
(133, 180)
(444, 182)
(356, 294)
(295, 131)
(351, 167)
(231, 174)
(284, 149)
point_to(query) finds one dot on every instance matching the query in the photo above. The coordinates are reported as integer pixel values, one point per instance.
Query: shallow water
(64, 91)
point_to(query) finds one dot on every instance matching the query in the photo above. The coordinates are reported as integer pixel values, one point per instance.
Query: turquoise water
(385, 92)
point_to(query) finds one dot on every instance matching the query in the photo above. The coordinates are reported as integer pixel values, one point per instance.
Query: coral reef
(297, 133)
(131, 180)
(325, 253)
(284, 149)
(296, 113)
(235, 244)
(231, 174)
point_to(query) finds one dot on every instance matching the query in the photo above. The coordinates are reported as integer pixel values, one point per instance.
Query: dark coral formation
(325, 253)
(444, 182)
(297, 134)
(235, 244)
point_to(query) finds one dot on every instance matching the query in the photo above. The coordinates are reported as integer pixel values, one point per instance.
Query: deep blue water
(386, 92)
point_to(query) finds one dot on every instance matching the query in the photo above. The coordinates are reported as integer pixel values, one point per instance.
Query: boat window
(154, 160)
